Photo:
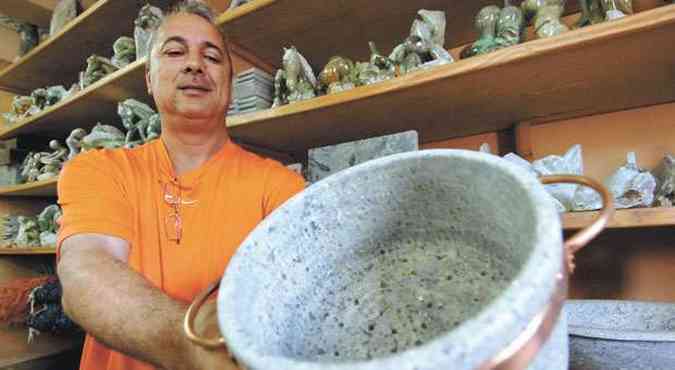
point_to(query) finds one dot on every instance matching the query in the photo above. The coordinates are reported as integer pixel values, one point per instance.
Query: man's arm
(121, 309)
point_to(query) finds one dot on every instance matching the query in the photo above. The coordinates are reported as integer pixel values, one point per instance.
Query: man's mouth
(194, 88)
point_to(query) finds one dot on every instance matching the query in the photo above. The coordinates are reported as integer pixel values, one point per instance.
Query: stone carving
(596, 11)
(236, 3)
(51, 163)
(30, 168)
(338, 75)
(28, 233)
(630, 187)
(665, 182)
(424, 46)
(47, 223)
(379, 68)
(64, 12)
(39, 97)
(103, 137)
(136, 119)
(74, 142)
(124, 52)
(498, 28)
(145, 24)
(295, 81)
(97, 68)
(55, 94)
(22, 107)
(31, 231)
(545, 16)
(154, 129)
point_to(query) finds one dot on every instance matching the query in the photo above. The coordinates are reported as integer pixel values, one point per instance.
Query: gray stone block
(328, 160)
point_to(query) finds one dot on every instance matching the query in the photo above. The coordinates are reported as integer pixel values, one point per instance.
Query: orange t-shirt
(121, 193)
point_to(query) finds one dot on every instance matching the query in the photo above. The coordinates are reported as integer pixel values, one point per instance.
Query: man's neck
(189, 149)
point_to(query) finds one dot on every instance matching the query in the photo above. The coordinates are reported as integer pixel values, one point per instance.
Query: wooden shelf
(596, 69)
(96, 103)
(623, 218)
(59, 59)
(15, 350)
(19, 251)
(35, 189)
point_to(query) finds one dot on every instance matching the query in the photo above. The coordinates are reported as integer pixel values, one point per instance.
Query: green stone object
(338, 75)
(124, 50)
(103, 137)
(295, 81)
(545, 16)
(498, 28)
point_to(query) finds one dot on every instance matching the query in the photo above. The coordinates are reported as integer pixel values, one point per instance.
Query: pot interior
(381, 258)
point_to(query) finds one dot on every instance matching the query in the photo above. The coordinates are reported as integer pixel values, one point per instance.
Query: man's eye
(213, 58)
(173, 53)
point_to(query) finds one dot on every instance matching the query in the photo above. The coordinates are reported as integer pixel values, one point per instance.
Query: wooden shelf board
(15, 350)
(321, 29)
(96, 103)
(27, 251)
(623, 218)
(59, 59)
(39, 188)
(588, 71)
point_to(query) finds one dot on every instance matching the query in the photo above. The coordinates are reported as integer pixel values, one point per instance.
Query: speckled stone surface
(621, 335)
(328, 160)
(425, 260)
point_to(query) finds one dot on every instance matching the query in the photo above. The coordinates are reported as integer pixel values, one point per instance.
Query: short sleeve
(93, 198)
(281, 184)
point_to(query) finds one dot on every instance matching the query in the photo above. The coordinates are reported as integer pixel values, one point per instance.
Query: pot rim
(477, 340)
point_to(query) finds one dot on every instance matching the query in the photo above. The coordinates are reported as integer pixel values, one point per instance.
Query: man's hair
(194, 7)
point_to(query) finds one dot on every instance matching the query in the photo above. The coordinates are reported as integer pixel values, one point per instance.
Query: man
(145, 229)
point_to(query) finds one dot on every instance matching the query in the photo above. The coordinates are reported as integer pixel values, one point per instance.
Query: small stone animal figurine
(596, 11)
(545, 15)
(498, 28)
(295, 81)
(337, 75)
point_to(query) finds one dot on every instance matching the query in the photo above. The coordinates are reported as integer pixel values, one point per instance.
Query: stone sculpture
(424, 46)
(97, 68)
(236, 3)
(74, 142)
(136, 119)
(39, 98)
(630, 187)
(48, 226)
(22, 107)
(665, 182)
(30, 167)
(545, 16)
(338, 75)
(64, 12)
(154, 129)
(378, 68)
(596, 11)
(103, 137)
(295, 81)
(28, 234)
(498, 28)
(145, 24)
(124, 52)
(51, 163)
(56, 94)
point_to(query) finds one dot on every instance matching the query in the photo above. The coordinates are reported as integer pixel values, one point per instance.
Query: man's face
(189, 72)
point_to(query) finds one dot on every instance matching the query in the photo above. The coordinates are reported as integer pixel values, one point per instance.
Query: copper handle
(585, 235)
(191, 314)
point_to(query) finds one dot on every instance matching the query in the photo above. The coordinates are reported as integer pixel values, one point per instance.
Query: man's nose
(194, 64)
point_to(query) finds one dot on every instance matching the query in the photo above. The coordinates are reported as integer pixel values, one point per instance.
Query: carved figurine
(135, 118)
(154, 129)
(30, 168)
(596, 11)
(665, 182)
(48, 226)
(510, 25)
(55, 94)
(545, 15)
(103, 137)
(145, 24)
(424, 46)
(74, 142)
(236, 3)
(295, 81)
(337, 75)
(486, 23)
(124, 52)
(64, 12)
(22, 107)
(10, 228)
(39, 98)
(28, 234)
(51, 163)
(379, 68)
(97, 68)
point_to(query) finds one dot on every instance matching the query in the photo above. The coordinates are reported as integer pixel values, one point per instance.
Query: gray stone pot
(438, 259)
(621, 335)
